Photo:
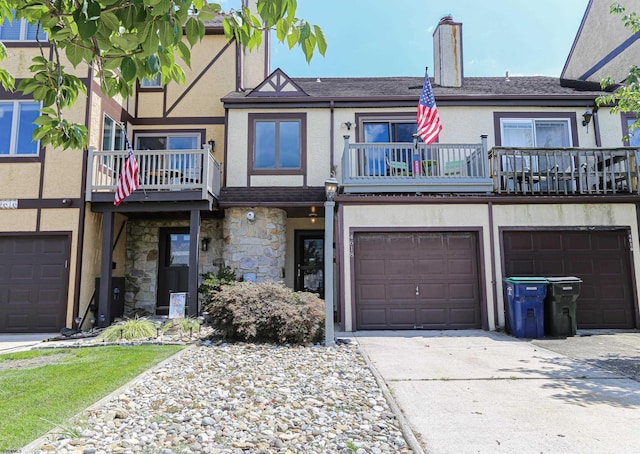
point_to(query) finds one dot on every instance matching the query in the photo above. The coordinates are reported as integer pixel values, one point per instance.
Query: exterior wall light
(331, 188)
(586, 116)
(204, 244)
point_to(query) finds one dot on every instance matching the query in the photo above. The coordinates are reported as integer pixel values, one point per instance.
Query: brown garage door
(33, 283)
(416, 280)
(600, 258)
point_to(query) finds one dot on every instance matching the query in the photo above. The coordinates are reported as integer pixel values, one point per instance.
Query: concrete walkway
(10, 343)
(486, 392)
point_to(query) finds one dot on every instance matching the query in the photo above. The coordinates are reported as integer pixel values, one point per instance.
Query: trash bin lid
(563, 279)
(526, 280)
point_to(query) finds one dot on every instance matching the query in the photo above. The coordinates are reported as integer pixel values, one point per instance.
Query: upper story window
(152, 82)
(20, 30)
(535, 130)
(16, 128)
(277, 143)
(389, 131)
(112, 135)
(632, 137)
(170, 141)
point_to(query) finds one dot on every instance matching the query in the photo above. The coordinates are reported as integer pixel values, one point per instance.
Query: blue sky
(394, 38)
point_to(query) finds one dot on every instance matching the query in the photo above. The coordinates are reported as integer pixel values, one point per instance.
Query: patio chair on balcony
(397, 168)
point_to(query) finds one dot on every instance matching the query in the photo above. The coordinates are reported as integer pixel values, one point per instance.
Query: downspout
(494, 278)
(331, 132)
(596, 128)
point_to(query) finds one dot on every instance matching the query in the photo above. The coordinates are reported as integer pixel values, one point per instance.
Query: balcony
(472, 168)
(164, 175)
(415, 167)
(564, 171)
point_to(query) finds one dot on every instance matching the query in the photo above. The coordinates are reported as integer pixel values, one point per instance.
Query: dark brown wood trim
(38, 204)
(225, 149)
(239, 68)
(276, 116)
(26, 44)
(194, 258)
(571, 116)
(177, 121)
(494, 199)
(633, 273)
(14, 158)
(164, 132)
(195, 81)
(104, 291)
(339, 254)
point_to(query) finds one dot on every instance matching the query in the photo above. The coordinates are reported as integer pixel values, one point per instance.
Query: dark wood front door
(173, 266)
(310, 261)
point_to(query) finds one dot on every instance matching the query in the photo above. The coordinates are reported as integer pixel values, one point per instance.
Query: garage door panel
(371, 267)
(600, 258)
(422, 284)
(461, 316)
(463, 291)
(401, 291)
(399, 267)
(33, 283)
(372, 292)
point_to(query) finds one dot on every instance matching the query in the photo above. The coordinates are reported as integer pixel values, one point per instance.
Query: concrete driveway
(486, 392)
(10, 343)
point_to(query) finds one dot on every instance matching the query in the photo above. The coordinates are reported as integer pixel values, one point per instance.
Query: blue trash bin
(525, 306)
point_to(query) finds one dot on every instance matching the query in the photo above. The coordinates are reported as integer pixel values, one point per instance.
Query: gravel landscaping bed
(243, 398)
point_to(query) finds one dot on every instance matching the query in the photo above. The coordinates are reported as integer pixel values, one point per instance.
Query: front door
(173, 266)
(310, 261)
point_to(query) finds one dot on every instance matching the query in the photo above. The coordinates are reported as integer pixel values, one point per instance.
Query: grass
(43, 388)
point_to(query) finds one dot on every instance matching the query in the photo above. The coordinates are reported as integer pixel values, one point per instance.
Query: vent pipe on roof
(447, 53)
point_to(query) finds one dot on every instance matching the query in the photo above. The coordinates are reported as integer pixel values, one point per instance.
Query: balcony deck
(472, 168)
(164, 175)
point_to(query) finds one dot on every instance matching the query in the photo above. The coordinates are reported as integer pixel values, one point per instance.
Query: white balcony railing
(159, 170)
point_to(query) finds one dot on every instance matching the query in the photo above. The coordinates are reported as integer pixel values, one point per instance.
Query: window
(178, 247)
(632, 136)
(389, 131)
(20, 30)
(277, 144)
(153, 82)
(177, 141)
(543, 133)
(185, 166)
(112, 135)
(16, 128)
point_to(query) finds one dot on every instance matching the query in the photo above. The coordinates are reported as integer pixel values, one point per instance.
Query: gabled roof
(277, 84)
(278, 87)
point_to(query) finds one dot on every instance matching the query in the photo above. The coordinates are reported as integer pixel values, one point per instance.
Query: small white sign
(8, 204)
(177, 305)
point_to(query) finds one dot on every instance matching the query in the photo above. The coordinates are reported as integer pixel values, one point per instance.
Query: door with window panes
(397, 131)
(537, 133)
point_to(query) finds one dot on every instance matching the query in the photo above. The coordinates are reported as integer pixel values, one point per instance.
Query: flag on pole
(128, 180)
(428, 120)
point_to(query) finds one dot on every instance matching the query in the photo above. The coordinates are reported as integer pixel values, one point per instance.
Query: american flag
(428, 120)
(128, 180)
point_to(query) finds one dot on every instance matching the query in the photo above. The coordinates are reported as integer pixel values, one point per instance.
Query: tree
(626, 98)
(125, 41)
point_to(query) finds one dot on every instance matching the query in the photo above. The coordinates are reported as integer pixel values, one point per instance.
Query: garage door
(33, 283)
(600, 258)
(416, 280)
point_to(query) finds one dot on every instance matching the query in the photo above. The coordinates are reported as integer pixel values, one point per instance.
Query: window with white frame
(152, 82)
(185, 166)
(16, 128)
(20, 30)
(632, 136)
(112, 135)
(538, 133)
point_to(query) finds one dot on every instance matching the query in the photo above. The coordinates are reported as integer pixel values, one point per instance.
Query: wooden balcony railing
(415, 167)
(564, 171)
(159, 170)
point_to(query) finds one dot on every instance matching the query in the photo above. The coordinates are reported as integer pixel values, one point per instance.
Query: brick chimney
(447, 53)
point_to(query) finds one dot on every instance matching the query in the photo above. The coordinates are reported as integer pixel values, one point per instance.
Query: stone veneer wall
(256, 246)
(141, 267)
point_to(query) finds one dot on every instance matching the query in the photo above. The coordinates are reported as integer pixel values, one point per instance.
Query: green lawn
(40, 389)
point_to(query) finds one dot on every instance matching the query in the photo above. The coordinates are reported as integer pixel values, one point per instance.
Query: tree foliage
(627, 96)
(125, 41)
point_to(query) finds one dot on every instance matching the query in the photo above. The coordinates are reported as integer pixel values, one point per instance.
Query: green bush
(266, 312)
(212, 282)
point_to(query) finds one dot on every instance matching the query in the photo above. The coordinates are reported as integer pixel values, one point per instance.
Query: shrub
(135, 328)
(212, 282)
(266, 312)
(181, 326)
